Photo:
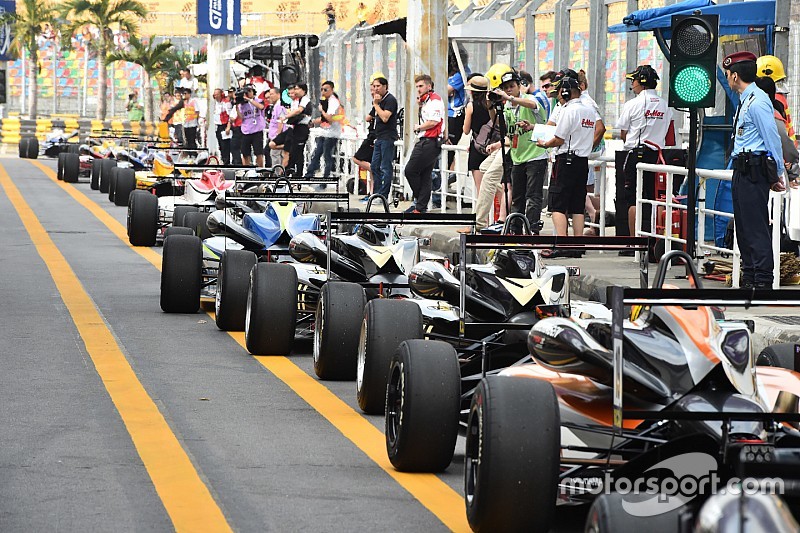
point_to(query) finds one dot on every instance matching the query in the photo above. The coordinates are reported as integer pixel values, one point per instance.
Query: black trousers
(191, 137)
(527, 182)
(297, 153)
(236, 146)
(419, 168)
(224, 145)
(750, 192)
(626, 188)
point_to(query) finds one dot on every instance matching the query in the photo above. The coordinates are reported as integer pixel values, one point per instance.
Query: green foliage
(105, 15)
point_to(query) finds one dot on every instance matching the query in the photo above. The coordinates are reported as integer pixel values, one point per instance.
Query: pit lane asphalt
(270, 460)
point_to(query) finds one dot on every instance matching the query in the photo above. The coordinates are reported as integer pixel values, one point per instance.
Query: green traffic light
(691, 84)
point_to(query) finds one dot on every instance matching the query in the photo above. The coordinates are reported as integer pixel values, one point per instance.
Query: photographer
(573, 140)
(135, 109)
(521, 112)
(251, 109)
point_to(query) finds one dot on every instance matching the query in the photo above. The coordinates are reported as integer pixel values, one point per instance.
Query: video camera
(238, 97)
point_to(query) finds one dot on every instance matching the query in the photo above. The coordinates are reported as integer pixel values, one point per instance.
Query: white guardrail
(775, 213)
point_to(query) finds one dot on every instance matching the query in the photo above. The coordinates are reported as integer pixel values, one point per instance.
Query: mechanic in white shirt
(573, 140)
(330, 129)
(299, 116)
(222, 113)
(643, 125)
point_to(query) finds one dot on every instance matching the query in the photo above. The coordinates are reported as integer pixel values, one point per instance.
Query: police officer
(643, 127)
(757, 167)
(573, 140)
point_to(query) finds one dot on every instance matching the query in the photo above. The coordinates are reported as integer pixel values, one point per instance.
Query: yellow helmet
(377, 75)
(770, 66)
(500, 73)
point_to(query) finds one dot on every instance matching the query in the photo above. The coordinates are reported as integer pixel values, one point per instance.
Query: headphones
(566, 93)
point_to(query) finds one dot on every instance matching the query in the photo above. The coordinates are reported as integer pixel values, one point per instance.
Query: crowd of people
(518, 129)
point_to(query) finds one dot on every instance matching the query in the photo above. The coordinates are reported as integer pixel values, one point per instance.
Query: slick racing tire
(180, 230)
(23, 146)
(271, 317)
(33, 148)
(780, 355)
(337, 325)
(112, 183)
(179, 214)
(72, 167)
(60, 167)
(233, 284)
(512, 456)
(181, 274)
(73, 149)
(105, 174)
(606, 515)
(94, 177)
(126, 184)
(423, 401)
(197, 221)
(386, 324)
(142, 218)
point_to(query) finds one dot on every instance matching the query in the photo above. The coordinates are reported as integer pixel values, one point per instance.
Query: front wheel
(72, 168)
(512, 458)
(60, 168)
(181, 274)
(233, 284)
(105, 174)
(337, 325)
(271, 317)
(126, 184)
(386, 324)
(423, 400)
(142, 218)
(94, 179)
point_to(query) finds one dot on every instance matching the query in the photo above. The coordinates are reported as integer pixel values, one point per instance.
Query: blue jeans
(325, 146)
(381, 167)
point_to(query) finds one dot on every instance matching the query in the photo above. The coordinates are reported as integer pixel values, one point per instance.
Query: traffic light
(693, 61)
(2, 86)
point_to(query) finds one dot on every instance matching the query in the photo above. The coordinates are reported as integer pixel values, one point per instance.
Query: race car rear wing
(368, 217)
(542, 242)
(619, 297)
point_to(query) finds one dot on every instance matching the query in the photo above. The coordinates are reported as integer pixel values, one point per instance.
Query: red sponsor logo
(586, 123)
(654, 113)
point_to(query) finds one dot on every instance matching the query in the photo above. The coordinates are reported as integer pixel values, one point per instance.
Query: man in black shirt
(385, 106)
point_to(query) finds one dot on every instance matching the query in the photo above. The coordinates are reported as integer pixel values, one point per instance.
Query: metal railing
(461, 174)
(775, 212)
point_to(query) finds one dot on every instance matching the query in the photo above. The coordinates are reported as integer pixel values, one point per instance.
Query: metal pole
(55, 77)
(24, 80)
(85, 77)
(113, 93)
(691, 199)
(615, 298)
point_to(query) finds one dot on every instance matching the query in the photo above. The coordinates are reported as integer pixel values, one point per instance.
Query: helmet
(376, 75)
(646, 75)
(770, 66)
(500, 73)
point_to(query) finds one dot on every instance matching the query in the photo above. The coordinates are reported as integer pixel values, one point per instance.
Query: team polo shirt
(645, 118)
(432, 109)
(576, 127)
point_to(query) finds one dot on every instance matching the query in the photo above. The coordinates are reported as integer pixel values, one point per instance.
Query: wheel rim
(249, 306)
(362, 355)
(319, 327)
(395, 396)
(472, 454)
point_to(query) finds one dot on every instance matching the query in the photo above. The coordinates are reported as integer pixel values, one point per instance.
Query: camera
(239, 97)
(495, 98)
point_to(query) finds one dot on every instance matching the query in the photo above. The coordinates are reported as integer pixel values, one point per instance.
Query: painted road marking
(186, 498)
(433, 493)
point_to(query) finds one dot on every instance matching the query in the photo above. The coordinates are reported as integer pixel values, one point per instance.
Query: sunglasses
(546, 85)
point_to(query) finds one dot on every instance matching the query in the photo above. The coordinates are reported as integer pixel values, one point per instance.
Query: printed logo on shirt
(586, 123)
(654, 113)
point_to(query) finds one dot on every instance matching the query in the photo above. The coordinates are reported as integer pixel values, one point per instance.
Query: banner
(219, 17)
(6, 6)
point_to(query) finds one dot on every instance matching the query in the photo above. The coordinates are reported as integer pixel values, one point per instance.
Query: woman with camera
(251, 109)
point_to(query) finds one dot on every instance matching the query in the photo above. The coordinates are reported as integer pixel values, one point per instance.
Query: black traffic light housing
(693, 61)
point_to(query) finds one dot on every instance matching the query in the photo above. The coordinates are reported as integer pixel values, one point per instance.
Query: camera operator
(521, 112)
(573, 140)
(251, 109)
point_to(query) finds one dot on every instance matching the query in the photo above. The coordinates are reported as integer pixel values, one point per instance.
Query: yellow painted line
(433, 493)
(186, 498)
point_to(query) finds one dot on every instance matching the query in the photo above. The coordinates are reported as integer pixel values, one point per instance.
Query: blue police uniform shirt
(459, 98)
(755, 129)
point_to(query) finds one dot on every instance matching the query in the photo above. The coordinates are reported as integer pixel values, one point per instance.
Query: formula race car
(553, 431)
(365, 251)
(256, 225)
(56, 142)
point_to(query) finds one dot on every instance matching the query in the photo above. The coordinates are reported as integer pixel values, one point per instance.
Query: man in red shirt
(419, 166)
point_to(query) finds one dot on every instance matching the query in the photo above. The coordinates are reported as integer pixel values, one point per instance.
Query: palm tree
(151, 57)
(123, 15)
(26, 28)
